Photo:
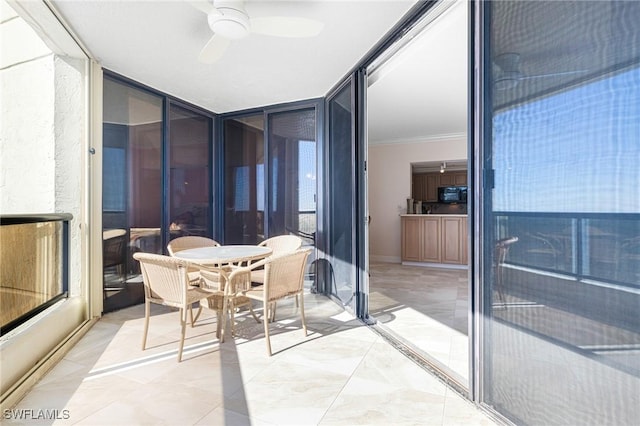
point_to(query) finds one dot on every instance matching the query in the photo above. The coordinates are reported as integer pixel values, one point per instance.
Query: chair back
(282, 244)
(165, 278)
(284, 275)
(189, 242)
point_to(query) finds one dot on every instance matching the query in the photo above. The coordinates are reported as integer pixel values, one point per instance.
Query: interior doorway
(417, 106)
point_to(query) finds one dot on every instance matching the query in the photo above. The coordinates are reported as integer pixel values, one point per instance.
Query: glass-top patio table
(224, 255)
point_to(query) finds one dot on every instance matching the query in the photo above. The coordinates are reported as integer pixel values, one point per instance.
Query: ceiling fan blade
(205, 6)
(286, 26)
(214, 49)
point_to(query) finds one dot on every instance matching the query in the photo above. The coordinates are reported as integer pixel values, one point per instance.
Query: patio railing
(595, 246)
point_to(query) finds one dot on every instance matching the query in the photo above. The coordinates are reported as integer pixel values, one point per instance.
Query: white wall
(389, 185)
(43, 126)
(43, 108)
(27, 145)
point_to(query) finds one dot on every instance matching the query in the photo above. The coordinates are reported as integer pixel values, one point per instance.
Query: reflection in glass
(132, 188)
(189, 174)
(244, 180)
(292, 184)
(561, 326)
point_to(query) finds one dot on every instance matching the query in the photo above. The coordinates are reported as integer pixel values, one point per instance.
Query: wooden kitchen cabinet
(453, 179)
(411, 238)
(421, 238)
(452, 239)
(430, 188)
(460, 179)
(424, 186)
(417, 186)
(434, 239)
(430, 239)
(464, 238)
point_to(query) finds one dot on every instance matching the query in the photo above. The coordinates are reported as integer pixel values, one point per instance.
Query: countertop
(424, 214)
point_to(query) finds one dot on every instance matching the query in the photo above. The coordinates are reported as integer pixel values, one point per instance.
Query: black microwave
(452, 194)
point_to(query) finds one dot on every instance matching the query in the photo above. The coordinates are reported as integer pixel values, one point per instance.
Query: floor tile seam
(421, 362)
(252, 417)
(350, 377)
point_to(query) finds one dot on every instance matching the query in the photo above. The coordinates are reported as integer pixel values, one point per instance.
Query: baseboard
(436, 265)
(19, 390)
(384, 259)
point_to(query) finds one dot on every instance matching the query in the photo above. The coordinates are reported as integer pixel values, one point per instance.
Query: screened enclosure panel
(561, 330)
(341, 196)
(292, 174)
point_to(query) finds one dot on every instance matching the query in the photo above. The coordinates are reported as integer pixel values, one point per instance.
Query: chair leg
(253, 313)
(147, 310)
(304, 321)
(232, 315)
(225, 307)
(218, 323)
(183, 326)
(266, 329)
(193, 320)
(272, 312)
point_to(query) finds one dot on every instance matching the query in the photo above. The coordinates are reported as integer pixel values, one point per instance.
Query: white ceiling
(157, 43)
(421, 93)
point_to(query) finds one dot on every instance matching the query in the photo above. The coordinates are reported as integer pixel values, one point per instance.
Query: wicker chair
(189, 242)
(184, 243)
(225, 286)
(282, 244)
(166, 282)
(284, 276)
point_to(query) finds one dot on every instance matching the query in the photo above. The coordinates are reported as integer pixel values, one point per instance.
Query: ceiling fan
(229, 21)
(508, 73)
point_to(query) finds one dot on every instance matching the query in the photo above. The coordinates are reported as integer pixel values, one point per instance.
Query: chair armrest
(239, 280)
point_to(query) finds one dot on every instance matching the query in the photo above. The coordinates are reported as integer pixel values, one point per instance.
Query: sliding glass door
(561, 212)
(131, 188)
(340, 280)
(155, 182)
(270, 174)
(292, 174)
(244, 176)
(189, 193)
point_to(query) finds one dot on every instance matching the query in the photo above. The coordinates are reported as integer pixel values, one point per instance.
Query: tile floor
(342, 373)
(426, 308)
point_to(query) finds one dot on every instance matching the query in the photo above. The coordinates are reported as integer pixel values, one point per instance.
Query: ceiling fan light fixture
(230, 23)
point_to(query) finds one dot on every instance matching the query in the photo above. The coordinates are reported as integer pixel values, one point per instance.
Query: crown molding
(422, 139)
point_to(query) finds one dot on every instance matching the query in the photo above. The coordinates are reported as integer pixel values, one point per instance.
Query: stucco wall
(43, 117)
(27, 172)
(389, 179)
(43, 126)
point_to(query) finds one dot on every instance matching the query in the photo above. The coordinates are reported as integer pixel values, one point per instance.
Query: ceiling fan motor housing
(231, 23)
